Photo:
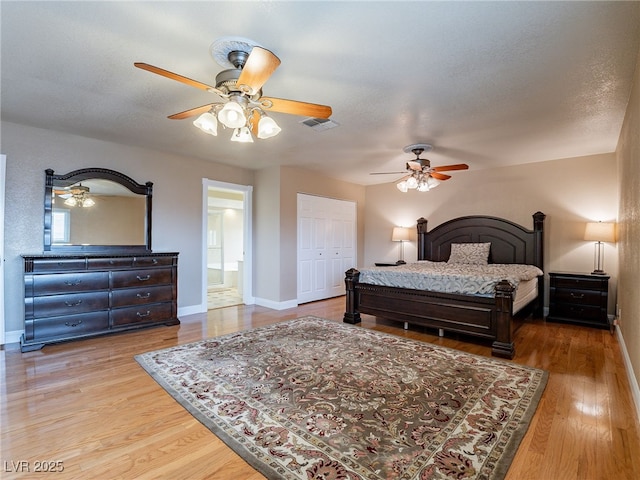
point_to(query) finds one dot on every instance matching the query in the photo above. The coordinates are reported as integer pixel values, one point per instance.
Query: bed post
(422, 231)
(351, 315)
(503, 345)
(538, 228)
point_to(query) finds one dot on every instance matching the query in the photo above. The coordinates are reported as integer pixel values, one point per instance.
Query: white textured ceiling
(487, 83)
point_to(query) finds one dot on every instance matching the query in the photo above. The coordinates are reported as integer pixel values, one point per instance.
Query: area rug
(317, 399)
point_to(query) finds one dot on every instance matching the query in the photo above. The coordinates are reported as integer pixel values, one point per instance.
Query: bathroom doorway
(227, 274)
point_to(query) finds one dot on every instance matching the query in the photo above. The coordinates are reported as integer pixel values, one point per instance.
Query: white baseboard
(263, 302)
(191, 309)
(13, 337)
(633, 382)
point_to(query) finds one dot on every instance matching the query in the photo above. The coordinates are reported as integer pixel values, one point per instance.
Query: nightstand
(579, 298)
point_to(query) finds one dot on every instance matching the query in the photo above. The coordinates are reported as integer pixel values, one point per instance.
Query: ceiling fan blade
(179, 78)
(294, 107)
(259, 66)
(386, 173)
(440, 176)
(446, 168)
(191, 113)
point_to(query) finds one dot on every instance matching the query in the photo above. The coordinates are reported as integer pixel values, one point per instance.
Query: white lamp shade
(400, 234)
(600, 232)
(402, 186)
(267, 127)
(232, 115)
(242, 135)
(412, 182)
(208, 123)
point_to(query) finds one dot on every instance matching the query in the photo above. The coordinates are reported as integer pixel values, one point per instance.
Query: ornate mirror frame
(84, 174)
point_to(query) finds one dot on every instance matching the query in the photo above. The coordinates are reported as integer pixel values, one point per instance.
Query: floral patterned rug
(318, 399)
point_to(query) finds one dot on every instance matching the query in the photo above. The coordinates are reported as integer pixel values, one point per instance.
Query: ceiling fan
(421, 175)
(243, 108)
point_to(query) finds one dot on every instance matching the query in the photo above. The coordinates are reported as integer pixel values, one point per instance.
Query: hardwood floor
(89, 406)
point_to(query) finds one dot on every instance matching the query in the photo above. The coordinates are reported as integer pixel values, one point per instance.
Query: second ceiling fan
(243, 107)
(421, 175)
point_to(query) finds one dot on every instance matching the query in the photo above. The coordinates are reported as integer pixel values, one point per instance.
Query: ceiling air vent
(320, 124)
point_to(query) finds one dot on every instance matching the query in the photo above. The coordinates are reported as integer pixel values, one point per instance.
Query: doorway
(226, 244)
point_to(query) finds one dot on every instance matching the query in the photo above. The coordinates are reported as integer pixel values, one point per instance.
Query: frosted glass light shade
(267, 127)
(232, 115)
(208, 123)
(402, 186)
(412, 182)
(242, 135)
(600, 232)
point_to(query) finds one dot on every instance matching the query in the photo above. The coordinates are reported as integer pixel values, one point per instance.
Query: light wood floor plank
(89, 404)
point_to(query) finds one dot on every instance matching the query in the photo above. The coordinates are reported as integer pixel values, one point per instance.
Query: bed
(495, 317)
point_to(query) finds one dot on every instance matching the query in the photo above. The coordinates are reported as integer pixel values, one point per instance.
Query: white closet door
(326, 246)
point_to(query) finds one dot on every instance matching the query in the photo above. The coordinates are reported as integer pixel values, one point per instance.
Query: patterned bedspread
(449, 278)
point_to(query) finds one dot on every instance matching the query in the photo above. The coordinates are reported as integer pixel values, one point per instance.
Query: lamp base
(598, 272)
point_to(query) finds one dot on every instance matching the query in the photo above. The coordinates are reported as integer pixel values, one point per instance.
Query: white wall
(177, 200)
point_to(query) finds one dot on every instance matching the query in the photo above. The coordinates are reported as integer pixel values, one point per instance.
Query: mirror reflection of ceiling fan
(75, 196)
(421, 175)
(243, 108)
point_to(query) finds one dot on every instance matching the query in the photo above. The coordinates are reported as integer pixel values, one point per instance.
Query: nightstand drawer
(578, 312)
(578, 297)
(580, 283)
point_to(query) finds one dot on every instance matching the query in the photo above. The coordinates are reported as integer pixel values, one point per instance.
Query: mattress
(527, 291)
(453, 278)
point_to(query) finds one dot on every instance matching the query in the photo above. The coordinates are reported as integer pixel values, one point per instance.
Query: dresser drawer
(69, 304)
(153, 261)
(66, 283)
(69, 326)
(109, 263)
(141, 296)
(578, 297)
(152, 313)
(59, 264)
(138, 278)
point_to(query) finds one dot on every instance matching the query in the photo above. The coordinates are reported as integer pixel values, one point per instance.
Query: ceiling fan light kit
(244, 107)
(422, 177)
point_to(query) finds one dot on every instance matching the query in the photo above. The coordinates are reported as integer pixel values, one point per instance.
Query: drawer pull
(155, 261)
(142, 315)
(72, 283)
(73, 304)
(143, 295)
(575, 295)
(71, 324)
(142, 279)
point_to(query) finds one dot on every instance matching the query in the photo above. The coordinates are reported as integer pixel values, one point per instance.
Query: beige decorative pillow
(470, 253)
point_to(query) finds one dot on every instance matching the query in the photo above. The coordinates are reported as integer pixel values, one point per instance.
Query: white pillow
(470, 253)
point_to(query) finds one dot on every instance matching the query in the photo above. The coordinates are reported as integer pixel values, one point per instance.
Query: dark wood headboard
(510, 242)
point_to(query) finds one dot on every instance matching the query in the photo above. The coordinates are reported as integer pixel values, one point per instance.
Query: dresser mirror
(96, 210)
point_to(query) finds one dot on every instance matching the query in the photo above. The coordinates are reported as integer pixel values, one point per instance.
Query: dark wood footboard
(484, 317)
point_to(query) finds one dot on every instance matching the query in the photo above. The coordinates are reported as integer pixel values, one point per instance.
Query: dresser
(579, 298)
(70, 297)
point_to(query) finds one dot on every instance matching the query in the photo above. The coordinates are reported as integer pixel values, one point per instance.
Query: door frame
(3, 176)
(247, 235)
